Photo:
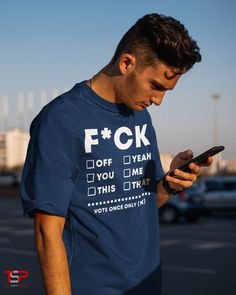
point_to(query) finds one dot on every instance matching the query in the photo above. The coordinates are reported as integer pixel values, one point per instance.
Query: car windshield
(220, 185)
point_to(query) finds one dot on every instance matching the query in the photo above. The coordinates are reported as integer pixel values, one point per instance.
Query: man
(93, 178)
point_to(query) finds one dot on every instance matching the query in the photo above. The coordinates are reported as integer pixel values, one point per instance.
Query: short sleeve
(47, 179)
(159, 172)
(159, 169)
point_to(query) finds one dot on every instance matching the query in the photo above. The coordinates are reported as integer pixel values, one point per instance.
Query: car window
(213, 186)
(229, 186)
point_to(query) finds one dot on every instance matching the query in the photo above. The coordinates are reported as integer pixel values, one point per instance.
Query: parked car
(8, 179)
(187, 204)
(219, 193)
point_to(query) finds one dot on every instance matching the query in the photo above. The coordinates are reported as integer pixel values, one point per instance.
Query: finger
(186, 175)
(208, 162)
(194, 168)
(178, 183)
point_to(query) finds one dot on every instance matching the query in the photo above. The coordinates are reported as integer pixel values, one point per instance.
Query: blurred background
(47, 47)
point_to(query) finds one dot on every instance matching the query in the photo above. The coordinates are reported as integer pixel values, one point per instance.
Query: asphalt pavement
(200, 259)
(197, 259)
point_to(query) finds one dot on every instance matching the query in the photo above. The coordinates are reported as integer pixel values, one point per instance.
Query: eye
(157, 87)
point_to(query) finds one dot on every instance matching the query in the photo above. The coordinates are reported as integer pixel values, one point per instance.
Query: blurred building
(230, 166)
(216, 167)
(13, 148)
(166, 160)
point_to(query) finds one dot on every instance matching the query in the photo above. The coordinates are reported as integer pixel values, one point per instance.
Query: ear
(127, 63)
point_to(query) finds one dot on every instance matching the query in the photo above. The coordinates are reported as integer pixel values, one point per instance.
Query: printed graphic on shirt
(104, 193)
(91, 137)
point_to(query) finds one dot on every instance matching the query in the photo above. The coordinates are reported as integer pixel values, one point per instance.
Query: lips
(145, 105)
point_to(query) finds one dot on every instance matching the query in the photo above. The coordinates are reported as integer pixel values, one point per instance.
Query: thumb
(186, 155)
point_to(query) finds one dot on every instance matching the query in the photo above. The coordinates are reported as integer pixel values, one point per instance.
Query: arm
(51, 253)
(187, 179)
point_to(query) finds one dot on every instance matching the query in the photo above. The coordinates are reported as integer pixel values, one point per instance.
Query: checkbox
(90, 164)
(90, 177)
(126, 173)
(91, 191)
(126, 160)
(126, 186)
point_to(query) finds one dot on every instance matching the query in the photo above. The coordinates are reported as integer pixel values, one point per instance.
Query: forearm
(162, 195)
(54, 264)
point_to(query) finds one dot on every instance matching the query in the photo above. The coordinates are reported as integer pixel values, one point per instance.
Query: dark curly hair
(160, 37)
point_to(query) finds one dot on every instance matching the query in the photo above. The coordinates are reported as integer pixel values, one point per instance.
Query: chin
(139, 108)
(135, 107)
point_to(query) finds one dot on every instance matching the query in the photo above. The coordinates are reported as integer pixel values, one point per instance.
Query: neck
(104, 84)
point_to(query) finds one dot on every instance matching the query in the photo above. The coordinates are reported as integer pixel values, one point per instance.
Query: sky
(48, 46)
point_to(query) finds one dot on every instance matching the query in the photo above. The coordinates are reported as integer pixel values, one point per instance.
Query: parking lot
(200, 259)
(197, 259)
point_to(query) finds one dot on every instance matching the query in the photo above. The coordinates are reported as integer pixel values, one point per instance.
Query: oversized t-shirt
(96, 163)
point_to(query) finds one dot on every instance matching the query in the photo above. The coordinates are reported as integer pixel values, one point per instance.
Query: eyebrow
(171, 76)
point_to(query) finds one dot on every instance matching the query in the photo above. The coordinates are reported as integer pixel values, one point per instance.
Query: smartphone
(200, 159)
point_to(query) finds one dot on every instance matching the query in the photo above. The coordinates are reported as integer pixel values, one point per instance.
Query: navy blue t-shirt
(96, 163)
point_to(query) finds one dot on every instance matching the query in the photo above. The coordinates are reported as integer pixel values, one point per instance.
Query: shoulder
(147, 116)
(55, 116)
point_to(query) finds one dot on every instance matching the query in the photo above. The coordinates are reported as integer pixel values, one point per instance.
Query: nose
(157, 99)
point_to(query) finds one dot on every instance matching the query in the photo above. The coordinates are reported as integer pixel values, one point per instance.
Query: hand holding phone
(200, 159)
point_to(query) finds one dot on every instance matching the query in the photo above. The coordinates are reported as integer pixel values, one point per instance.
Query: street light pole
(216, 98)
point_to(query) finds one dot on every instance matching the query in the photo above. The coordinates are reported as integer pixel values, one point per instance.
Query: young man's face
(141, 88)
